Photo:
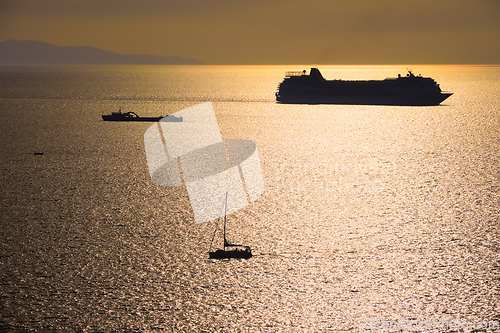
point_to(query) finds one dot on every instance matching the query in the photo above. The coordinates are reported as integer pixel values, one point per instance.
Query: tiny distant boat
(128, 116)
(236, 251)
(411, 90)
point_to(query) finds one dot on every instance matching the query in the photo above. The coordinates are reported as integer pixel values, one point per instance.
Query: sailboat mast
(225, 211)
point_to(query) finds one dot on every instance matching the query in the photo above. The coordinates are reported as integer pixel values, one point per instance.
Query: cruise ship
(313, 88)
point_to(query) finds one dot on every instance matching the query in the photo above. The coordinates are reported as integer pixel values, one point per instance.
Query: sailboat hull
(237, 254)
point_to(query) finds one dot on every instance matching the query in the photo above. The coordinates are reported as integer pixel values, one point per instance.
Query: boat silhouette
(128, 116)
(412, 90)
(236, 251)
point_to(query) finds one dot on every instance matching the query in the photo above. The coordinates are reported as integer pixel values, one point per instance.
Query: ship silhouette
(300, 88)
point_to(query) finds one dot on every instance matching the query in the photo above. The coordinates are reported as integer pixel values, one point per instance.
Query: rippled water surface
(369, 212)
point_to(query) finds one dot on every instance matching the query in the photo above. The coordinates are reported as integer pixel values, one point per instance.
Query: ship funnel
(316, 74)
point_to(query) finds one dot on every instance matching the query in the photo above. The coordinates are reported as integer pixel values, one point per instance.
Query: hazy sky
(268, 31)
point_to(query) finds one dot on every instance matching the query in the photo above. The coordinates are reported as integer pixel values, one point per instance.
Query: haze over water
(368, 213)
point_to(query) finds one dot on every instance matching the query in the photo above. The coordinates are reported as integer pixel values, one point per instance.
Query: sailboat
(236, 250)
(192, 153)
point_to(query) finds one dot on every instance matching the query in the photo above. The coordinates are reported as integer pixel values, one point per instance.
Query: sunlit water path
(368, 213)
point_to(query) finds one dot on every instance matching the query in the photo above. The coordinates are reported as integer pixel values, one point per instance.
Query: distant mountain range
(14, 52)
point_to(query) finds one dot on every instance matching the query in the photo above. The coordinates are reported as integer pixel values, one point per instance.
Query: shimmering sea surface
(369, 213)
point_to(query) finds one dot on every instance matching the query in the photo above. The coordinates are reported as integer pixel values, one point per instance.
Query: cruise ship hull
(360, 99)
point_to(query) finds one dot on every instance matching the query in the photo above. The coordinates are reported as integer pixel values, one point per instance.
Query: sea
(372, 219)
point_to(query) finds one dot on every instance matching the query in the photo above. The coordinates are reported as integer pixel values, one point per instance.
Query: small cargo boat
(127, 116)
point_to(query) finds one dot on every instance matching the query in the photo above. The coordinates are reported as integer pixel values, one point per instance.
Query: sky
(268, 31)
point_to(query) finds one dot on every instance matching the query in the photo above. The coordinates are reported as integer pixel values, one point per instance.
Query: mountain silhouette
(14, 52)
